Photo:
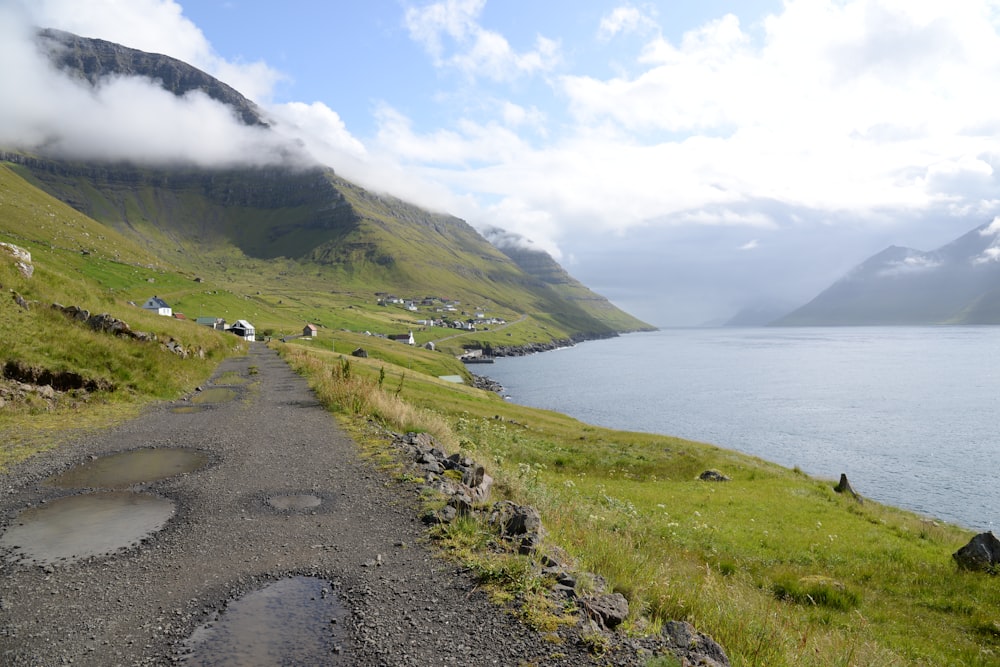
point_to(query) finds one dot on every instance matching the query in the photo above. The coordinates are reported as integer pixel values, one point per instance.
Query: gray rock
(608, 611)
(981, 554)
(712, 476)
(693, 647)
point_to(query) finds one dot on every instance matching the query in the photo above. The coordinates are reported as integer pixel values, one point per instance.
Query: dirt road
(346, 524)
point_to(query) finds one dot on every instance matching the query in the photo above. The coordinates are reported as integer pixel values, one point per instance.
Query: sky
(684, 158)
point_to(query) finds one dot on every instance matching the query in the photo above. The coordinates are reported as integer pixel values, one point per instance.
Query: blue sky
(685, 159)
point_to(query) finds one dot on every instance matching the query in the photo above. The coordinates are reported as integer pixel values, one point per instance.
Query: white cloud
(453, 26)
(623, 20)
(155, 26)
(909, 265)
(750, 245)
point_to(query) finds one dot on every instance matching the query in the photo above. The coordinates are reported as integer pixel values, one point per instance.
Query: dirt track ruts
(134, 607)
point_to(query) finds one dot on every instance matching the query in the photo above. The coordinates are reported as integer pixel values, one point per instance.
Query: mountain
(305, 224)
(959, 283)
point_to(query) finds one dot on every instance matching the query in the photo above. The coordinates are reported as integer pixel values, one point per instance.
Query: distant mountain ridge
(206, 219)
(958, 283)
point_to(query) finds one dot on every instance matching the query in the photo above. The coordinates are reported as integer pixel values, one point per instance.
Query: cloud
(121, 118)
(622, 20)
(453, 26)
(155, 26)
(909, 265)
(750, 245)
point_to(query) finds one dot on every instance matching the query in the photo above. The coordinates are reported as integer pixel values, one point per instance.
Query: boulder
(608, 611)
(843, 486)
(20, 257)
(712, 476)
(519, 524)
(981, 554)
(692, 647)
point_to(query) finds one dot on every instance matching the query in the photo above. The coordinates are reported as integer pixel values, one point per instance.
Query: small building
(403, 338)
(310, 331)
(243, 329)
(158, 306)
(216, 323)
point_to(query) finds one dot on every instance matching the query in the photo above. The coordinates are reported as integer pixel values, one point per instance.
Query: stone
(21, 258)
(473, 476)
(608, 611)
(843, 486)
(981, 554)
(712, 476)
(519, 524)
(692, 647)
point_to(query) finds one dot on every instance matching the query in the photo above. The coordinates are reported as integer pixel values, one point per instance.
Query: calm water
(910, 414)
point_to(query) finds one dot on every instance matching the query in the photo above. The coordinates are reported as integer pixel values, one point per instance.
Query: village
(446, 314)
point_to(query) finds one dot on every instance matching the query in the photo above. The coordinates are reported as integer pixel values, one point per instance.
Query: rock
(19, 300)
(712, 476)
(693, 647)
(473, 476)
(981, 554)
(361, 353)
(843, 486)
(608, 611)
(519, 524)
(21, 258)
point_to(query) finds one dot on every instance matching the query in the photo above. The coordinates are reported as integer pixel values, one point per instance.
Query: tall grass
(773, 564)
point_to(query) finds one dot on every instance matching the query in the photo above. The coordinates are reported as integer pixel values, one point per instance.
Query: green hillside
(288, 233)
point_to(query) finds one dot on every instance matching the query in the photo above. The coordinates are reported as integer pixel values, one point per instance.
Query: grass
(775, 565)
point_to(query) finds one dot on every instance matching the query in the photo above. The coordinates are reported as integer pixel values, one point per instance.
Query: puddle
(121, 470)
(186, 409)
(94, 524)
(230, 378)
(214, 395)
(295, 621)
(298, 501)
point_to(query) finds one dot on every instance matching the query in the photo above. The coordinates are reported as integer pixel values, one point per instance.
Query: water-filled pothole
(121, 470)
(294, 501)
(294, 621)
(214, 395)
(230, 378)
(186, 409)
(94, 524)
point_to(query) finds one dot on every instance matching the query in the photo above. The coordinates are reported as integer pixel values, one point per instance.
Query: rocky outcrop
(520, 528)
(713, 476)
(981, 554)
(20, 257)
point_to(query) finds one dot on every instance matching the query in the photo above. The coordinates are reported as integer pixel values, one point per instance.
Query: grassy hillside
(773, 564)
(312, 232)
(78, 262)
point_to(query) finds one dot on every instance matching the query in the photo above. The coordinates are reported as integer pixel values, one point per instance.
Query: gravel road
(401, 605)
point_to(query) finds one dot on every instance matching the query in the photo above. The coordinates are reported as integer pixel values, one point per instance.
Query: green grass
(775, 565)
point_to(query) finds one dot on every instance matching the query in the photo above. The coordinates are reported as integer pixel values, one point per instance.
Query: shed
(244, 330)
(310, 331)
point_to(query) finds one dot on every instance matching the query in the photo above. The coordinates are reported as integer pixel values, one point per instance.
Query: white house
(406, 338)
(158, 306)
(244, 330)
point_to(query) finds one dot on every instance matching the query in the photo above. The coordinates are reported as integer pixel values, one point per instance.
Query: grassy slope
(774, 564)
(238, 228)
(100, 281)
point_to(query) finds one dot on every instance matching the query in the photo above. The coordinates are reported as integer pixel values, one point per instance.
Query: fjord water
(910, 414)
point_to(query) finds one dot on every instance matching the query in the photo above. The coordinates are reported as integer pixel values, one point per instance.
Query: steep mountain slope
(305, 220)
(93, 59)
(958, 283)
